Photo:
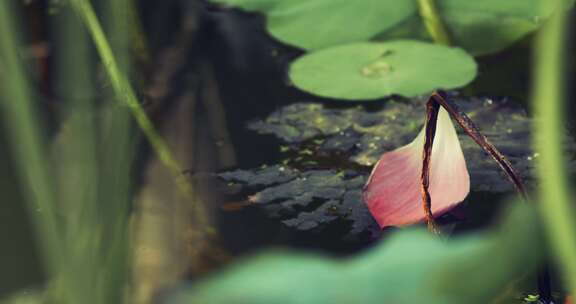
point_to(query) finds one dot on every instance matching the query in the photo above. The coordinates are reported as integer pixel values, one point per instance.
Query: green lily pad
(322, 23)
(374, 70)
(480, 27)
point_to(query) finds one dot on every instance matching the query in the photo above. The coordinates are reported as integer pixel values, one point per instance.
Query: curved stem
(472, 130)
(437, 100)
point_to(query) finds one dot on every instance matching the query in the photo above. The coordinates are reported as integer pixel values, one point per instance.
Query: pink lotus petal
(393, 192)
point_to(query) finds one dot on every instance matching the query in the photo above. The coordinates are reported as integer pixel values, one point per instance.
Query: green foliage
(373, 70)
(322, 23)
(412, 266)
(77, 185)
(480, 27)
(23, 126)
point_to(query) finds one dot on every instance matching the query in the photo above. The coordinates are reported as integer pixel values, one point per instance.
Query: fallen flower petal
(393, 191)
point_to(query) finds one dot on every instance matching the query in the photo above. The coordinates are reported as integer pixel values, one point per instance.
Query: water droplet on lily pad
(376, 69)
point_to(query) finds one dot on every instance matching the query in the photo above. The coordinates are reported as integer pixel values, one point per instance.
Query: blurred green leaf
(374, 70)
(411, 267)
(322, 23)
(480, 27)
(28, 296)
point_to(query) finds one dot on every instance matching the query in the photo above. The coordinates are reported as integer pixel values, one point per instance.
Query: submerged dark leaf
(309, 200)
(362, 136)
(332, 150)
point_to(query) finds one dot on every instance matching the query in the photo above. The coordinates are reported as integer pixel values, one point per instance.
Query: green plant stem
(121, 86)
(21, 122)
(433, 22)
(124, 91)
(548, 98)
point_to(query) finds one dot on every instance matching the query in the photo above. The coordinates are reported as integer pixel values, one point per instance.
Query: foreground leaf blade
(556, 197)
(411, 267)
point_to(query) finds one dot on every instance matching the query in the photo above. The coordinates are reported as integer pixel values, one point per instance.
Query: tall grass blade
(556, 199)
(23, 122)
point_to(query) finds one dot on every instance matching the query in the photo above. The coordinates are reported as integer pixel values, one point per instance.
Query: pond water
(302, 161)
(289, 143)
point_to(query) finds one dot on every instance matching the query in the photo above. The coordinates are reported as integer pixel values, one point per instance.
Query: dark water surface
(251, 72)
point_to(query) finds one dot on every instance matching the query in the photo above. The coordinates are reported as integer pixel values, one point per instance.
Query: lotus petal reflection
(393, 191)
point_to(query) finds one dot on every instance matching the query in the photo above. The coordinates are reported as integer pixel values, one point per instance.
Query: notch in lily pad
(369, 70)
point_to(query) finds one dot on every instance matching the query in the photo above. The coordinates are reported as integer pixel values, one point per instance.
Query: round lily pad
(374, 70)
(314, 24)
